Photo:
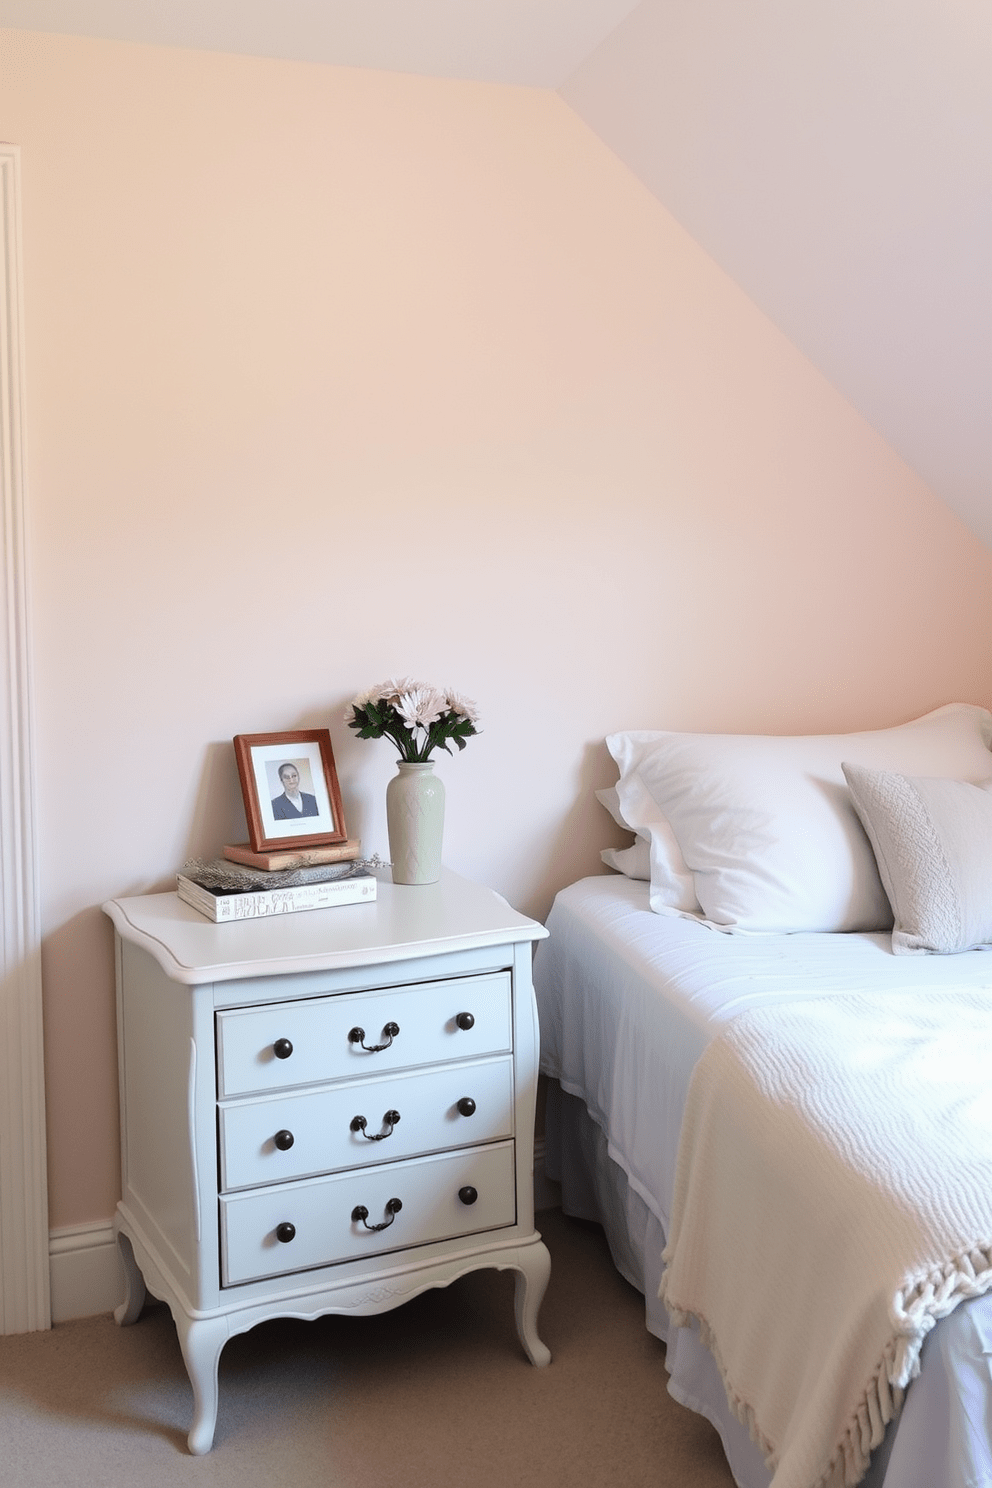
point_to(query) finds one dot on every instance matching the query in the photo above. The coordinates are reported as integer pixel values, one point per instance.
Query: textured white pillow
(634, 862)
(766, 825)
(933, 846)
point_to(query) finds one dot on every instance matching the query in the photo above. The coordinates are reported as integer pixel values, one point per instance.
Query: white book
(222, 905)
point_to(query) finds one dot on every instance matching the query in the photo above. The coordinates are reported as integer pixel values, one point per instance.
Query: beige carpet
(435, 1393)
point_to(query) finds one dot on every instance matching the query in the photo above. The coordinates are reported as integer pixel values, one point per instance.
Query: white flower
(393, 689)
(387, 691)
(464, 706)
(421, 706)
(359, 701)
(416, 717)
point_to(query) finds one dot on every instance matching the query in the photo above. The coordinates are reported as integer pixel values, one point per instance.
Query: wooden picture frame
(266, 763)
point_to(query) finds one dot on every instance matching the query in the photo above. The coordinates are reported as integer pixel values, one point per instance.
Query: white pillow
(609, 798)
(766, 825)
(672, 888)
(634, 862)
(933, 846)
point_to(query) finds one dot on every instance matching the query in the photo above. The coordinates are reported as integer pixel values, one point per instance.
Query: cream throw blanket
(833, 1200)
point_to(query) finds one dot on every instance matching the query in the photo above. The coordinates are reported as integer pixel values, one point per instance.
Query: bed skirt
(595, 1188)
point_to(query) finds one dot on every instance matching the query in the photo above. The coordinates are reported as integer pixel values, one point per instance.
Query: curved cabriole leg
(201, 1340)
(533, 1270)
(134, 1285)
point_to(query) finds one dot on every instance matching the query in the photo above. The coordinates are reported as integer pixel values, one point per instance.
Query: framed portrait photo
(290, 789)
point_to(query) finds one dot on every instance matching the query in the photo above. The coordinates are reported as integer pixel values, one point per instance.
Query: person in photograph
(293, 802)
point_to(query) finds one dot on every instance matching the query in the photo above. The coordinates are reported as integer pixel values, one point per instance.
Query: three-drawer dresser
(328, 1111)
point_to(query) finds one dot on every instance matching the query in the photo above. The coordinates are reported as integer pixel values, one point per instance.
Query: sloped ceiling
(834, 158)
(535, 42)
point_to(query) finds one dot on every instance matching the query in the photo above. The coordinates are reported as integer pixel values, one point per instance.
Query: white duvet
(629, 1000)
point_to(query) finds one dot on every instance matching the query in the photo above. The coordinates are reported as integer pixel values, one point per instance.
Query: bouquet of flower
(417, 716)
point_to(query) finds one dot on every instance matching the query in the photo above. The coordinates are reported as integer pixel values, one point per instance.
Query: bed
(765, 883)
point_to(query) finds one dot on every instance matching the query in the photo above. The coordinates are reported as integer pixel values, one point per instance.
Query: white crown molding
(24, 1268)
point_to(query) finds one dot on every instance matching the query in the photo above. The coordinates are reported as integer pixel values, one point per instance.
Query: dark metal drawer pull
(465, 1021)
(285, 1232)
(389, 1120)
(360, 1215)
(466, 1106)
(468, 1194)
(357, 1036)
(284, 1140)
(282, 1048)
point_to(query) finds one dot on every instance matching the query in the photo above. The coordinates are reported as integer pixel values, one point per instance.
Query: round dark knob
(466, 1106)
(284, 1140)
(465, 1020)
(468, 1194)
(285, 1232)
(282, 1048)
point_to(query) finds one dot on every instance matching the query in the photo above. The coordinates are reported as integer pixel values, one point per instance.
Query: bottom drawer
(298, 1226)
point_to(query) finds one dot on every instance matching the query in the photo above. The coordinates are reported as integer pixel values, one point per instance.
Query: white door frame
(24, 1268)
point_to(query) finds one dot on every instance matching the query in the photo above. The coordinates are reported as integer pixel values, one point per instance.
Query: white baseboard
(85, 1271)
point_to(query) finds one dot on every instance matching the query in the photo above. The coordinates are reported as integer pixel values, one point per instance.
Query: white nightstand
(324, 1112)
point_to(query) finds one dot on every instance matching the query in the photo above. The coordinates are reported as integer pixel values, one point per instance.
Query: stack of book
(290, 858)
(230, 889)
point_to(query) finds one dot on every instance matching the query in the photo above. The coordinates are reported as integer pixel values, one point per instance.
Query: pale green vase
(415, 821)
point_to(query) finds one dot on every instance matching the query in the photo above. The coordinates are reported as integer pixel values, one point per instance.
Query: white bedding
(628, 1001)
(833, 1202)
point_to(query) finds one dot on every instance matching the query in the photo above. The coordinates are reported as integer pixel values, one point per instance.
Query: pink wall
(335, 374)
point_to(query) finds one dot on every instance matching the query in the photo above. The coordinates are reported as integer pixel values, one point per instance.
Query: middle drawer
(274, 1138)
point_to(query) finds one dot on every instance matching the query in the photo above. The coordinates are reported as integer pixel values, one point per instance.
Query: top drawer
(301, 1043)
